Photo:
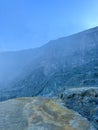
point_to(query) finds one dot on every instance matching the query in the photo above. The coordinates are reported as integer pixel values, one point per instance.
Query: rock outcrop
(84, 101)
(39, 114)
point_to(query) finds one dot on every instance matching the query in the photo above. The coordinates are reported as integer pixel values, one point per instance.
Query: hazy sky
(32, 23)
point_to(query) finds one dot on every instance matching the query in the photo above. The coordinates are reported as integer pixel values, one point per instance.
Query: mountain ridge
(83, 31)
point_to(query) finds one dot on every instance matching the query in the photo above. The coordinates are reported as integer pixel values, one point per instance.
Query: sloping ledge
(39, 114)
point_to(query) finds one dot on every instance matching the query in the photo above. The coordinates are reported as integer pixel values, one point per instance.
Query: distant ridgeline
(66, 62)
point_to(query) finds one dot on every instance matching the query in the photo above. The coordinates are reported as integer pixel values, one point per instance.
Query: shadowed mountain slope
(66, 62)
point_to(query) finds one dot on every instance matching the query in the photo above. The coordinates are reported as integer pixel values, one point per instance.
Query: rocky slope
(66, 62)
(39, 114)
(84, 101)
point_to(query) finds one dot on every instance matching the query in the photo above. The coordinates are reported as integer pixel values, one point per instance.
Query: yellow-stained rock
(39, 114)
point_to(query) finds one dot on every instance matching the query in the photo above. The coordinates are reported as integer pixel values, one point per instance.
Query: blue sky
(32, 23)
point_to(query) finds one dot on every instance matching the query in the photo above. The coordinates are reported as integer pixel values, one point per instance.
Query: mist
(63, 53)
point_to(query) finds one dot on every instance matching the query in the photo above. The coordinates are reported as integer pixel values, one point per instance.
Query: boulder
(84, 101)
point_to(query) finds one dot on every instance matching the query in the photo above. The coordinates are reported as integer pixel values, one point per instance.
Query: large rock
(84, 101)
(39, 114)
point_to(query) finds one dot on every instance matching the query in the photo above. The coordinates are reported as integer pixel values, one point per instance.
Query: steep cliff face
(39, 114)
(66, 62)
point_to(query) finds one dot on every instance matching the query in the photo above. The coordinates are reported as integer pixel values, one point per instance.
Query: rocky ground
(39, 114)
(84, 101)
(75, 109)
